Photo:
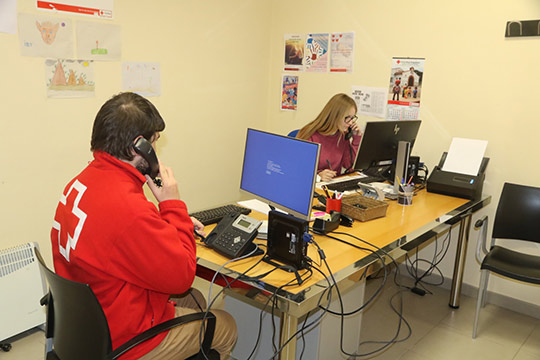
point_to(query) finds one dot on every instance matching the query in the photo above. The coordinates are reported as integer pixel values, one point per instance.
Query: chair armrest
(481, 224)
(44, 300)
(47, 301)
(167, 325)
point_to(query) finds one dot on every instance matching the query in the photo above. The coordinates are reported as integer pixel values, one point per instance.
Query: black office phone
(233, 235)
(144, 148)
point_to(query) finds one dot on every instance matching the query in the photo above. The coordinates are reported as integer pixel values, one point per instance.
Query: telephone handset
(144, 148)
(349, 133)
(233, 235)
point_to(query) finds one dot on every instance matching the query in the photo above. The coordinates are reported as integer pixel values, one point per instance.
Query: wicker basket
(365, 209)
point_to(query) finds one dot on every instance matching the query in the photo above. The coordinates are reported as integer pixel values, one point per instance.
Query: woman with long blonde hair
(335, 128)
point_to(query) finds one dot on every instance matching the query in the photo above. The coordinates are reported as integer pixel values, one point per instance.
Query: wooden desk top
(427, 210)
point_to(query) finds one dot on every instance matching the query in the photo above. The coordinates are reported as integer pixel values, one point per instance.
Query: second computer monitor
(380, 142)
(281, 171)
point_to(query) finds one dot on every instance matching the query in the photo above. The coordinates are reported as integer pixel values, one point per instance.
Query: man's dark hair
(121, 120)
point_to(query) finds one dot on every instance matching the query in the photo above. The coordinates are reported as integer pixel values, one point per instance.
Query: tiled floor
(438, 332)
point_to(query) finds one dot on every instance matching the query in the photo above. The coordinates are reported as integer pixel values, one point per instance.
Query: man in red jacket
(133, 255)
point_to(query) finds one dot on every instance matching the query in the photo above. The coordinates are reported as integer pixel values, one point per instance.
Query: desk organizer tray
(362, 208)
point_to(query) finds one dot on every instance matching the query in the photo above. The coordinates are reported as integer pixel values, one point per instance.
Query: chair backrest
(518, 213)
(293, 133)
(75, 319)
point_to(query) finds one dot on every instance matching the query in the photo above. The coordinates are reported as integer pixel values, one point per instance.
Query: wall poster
(289, 92)
(405, 88)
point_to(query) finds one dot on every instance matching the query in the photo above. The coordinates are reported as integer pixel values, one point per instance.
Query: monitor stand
(383, 172)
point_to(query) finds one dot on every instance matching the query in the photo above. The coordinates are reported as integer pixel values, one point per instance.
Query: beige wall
(477, 84)
(221, 68)
(214, 75)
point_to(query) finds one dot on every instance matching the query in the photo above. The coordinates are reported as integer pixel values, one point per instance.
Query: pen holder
(333, 204)
(405, 196)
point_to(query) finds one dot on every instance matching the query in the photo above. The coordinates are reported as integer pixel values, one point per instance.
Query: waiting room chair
(293, 133)
(517, 218)
(77, 329)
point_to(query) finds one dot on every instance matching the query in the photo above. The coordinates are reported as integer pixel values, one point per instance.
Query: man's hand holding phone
(169, 186)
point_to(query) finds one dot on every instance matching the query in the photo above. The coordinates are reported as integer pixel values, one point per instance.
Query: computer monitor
(380, 140)
(280, 171)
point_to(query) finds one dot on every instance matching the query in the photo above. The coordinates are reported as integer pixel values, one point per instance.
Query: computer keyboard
(211, 216)
(352, 184)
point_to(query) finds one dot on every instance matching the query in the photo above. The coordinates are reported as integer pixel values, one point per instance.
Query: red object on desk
(333, 204)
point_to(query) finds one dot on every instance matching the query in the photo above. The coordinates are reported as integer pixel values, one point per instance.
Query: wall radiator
(21, 288)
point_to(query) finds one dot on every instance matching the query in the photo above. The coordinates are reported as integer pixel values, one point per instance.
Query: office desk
(402, 229)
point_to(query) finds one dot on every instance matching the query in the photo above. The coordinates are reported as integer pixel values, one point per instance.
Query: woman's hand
(327, 174)
(355, 129)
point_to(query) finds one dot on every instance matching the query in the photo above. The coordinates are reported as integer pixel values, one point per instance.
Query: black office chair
(517, 218)
(293, 133)
(76, 327)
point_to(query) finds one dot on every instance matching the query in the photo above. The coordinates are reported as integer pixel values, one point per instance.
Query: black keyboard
(211, 216)
(352, 184)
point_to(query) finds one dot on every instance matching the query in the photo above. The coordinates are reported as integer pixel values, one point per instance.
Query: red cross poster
(102, 9)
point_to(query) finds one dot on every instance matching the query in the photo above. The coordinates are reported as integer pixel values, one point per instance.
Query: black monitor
(280, 171)
(380, 140)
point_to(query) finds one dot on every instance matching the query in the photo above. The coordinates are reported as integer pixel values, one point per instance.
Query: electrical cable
(438, 256)
(211, 301)
(274, 295)
(371, 299)
(399, 312)
(302, 337)
(314, 322)
(274, 305)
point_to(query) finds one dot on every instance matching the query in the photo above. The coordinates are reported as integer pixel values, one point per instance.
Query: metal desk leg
(459, 264)
(289, 325)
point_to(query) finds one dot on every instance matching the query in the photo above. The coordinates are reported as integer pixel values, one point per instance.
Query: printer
(455, 184)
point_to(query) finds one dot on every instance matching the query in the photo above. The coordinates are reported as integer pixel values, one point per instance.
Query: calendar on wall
(405, 88)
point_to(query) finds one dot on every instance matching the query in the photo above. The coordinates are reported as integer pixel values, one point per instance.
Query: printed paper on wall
(294, 52)
(102, 9)
(8, 16)
(316, 53)
(45, 36)
(341, 52)
(405, 88)
(98, 41)
(141, 78)
(69, 78)
(289, 92)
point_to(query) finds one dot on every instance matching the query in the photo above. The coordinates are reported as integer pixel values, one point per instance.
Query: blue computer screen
(280, 170)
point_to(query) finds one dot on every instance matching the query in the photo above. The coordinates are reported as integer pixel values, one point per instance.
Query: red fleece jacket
(107, 234)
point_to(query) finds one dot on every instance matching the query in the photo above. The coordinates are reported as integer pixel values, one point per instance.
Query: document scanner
(455, 184)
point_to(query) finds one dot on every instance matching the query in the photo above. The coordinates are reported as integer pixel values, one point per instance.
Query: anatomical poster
(45, 36)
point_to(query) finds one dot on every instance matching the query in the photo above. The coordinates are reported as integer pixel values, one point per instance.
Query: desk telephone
(233, 235)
